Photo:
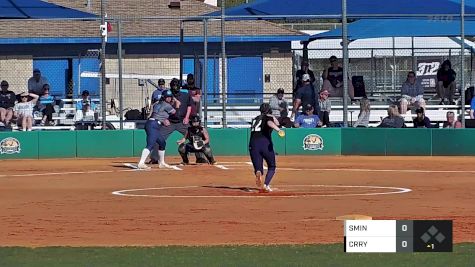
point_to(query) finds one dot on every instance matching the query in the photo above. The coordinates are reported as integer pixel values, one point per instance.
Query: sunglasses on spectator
(411, 76)
(4, 85)
(24, 97)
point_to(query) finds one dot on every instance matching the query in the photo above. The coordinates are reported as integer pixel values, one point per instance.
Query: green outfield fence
(233, 142)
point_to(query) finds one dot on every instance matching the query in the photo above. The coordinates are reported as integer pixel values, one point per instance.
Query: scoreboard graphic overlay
(398, 236)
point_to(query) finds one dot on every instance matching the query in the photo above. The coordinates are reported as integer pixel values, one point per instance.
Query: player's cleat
(267, 188)
(214, 162)
(259, 182)
(143, 167)
(164, 166)
(184, 163)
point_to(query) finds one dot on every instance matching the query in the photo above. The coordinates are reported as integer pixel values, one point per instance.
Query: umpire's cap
(265, 108)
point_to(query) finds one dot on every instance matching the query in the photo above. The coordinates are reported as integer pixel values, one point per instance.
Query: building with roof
(259, 52)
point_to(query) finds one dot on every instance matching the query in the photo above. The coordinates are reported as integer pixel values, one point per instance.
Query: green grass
(308, 255)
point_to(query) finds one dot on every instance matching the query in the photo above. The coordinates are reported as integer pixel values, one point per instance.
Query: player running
(161, 110)
(198, 141)
(261, 147)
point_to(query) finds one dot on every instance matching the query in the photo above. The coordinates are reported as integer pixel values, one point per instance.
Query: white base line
(250, 163)
(221, 167)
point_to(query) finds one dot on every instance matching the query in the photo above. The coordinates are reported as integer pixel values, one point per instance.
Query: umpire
(179, 121)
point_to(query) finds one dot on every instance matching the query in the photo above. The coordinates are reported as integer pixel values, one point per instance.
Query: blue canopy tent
(355, 8)
(35, 9)
(375, 28)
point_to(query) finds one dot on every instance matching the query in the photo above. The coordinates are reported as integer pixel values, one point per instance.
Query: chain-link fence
(262, 56)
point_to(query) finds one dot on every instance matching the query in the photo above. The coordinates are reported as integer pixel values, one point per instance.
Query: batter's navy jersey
(260, 129)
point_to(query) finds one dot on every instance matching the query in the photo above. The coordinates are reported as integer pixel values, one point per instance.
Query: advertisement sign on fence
(427, 72)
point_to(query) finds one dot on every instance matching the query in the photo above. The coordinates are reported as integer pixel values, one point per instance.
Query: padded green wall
(104, 144)
(28, 145)
(362, 141)
(57, 144)
(453, 142)
(294, 141)
(229, 142)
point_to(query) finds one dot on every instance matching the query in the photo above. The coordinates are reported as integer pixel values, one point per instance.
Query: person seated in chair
(412, 93)
(280, 108)
(333, 80)
(308, 119)
(393, 120)
(198, 141)
(446, 85)
(45, 105)
(85, 100)
(421, 121)
(451, 122)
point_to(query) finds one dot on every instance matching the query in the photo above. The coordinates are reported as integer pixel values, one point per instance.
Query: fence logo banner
(313, 142)
(10, 145)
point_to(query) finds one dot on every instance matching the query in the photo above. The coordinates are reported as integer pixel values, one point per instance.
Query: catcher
(198, 141)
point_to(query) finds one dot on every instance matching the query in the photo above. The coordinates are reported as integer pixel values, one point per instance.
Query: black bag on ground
(133, 115)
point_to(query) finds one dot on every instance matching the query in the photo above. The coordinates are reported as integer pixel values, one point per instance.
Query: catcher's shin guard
(183, 153)
(209, 154)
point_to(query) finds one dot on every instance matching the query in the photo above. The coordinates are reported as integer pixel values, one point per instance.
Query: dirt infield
(98, 202)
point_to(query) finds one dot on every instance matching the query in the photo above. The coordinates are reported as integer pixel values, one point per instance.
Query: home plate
(131, 165)
(354, 217)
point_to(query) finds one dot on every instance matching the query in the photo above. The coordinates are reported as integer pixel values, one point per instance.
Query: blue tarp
(355, 8)
(35, 9)
(374, 28)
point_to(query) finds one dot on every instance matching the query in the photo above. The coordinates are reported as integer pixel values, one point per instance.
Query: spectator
(472, 108)
(305, 95)
(446, 83)
(333, 80)
(24, 111)
(299, 75)
(157, 94)
(365, 110)
(194, 92)
(412, 93)
(393, 120)
(7, 102)
(280, 108)
(36, 83)
(421, 121)
(85, 100)
(45, 105)
(451, 122)
(324, 107)
(307, 119)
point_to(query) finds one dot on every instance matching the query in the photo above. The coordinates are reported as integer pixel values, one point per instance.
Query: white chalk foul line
(397, 190)
(250, 163)
(222, 167)
(81, 172)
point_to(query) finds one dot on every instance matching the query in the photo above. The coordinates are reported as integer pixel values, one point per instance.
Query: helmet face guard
(195, 121)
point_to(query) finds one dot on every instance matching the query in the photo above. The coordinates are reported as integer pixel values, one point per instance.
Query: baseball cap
(305, 77)
(85, 92)
(308, 107)
(333, 58)
(161, 81)
(280, 91)
(167, 93)
(36, 70)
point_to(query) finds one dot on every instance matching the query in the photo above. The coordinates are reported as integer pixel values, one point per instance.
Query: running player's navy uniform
(161, 112)
(261, 147)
